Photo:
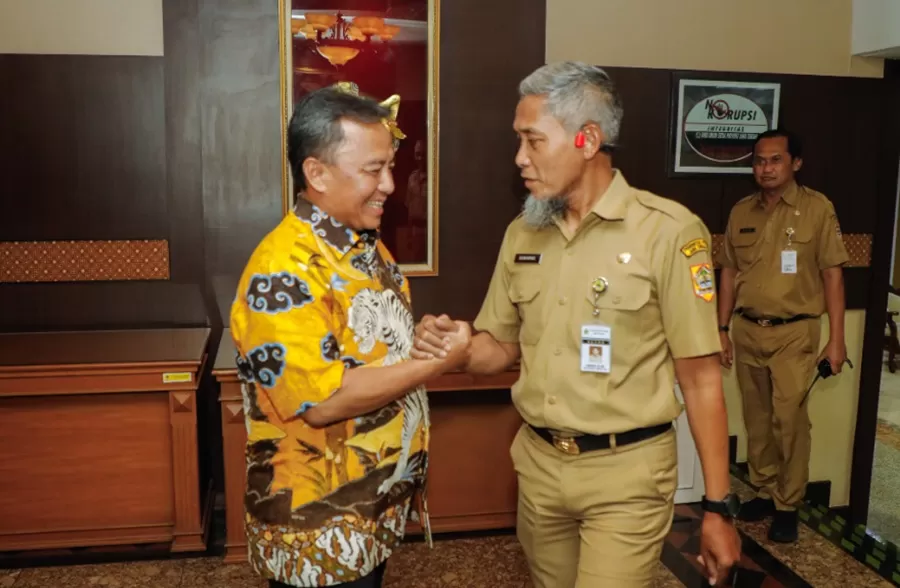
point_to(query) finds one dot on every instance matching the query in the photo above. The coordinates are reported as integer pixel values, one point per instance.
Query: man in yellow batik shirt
(337, 415)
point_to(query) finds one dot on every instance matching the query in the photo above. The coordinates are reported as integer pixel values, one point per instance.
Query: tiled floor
(884, 500)
(494, 562)
(889, 400)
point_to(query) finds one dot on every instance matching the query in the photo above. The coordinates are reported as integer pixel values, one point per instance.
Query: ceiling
(395, 9)
(410, 15)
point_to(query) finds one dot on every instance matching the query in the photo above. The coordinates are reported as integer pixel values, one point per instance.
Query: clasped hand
(443, 339)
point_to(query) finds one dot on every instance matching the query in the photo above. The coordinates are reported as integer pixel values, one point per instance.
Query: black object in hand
(824, 368)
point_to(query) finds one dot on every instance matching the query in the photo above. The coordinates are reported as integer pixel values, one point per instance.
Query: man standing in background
(781, 269)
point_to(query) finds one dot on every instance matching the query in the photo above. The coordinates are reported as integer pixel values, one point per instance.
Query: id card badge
(789, 261)
(596, 349)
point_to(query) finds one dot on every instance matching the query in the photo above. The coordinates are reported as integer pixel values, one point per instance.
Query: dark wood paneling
(82, 147)
(840, 135)
(184, 173)
(83, 150)
(481, 65)
(240, 106)
(50, 307)
(643, 139)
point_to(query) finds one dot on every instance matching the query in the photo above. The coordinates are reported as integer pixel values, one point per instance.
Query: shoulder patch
(694, 246)
(703, 282)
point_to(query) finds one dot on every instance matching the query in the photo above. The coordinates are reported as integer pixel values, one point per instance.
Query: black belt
(773, 322)
(582, 443)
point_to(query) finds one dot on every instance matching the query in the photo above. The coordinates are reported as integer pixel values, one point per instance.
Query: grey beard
(539, 213)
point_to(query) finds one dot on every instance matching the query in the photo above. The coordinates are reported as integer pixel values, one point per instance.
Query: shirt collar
(789, 196)
(614, 202)
(338, 236)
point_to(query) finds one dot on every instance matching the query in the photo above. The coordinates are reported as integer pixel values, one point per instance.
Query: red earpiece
(579, 139)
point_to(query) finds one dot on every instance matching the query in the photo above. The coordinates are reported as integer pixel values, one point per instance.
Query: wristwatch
(728, 507)
(724, 328)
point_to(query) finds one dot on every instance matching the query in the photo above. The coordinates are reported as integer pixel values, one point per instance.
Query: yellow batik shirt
(324, 506)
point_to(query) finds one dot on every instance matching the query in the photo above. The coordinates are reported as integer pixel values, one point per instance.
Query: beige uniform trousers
(774, 368)
(595, 519)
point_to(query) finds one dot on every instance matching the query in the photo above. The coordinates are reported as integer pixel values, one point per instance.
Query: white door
(690, 475)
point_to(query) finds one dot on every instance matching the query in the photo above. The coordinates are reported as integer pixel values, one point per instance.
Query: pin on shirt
(598, 287)
(596, 349)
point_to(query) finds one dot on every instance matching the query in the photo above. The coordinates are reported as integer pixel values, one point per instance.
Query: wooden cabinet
(98, 439)
(471, 484)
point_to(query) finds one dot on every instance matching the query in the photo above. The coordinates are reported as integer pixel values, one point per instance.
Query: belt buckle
(764, 322)
(566, 445)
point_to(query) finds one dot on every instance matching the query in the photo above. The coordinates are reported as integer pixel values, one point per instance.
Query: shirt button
(557, 352)
(563, 300)
(552, 400)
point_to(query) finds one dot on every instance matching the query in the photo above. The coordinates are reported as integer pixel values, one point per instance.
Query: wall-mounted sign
(717, 122)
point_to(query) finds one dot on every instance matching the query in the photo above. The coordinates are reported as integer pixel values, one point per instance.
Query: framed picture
(383, 48)
(715, 124)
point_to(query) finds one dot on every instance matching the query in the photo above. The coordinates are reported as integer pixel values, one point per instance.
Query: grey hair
(577, 93)
(315, 129)
(540, 213)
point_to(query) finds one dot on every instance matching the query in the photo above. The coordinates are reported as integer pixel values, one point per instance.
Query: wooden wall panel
(82, 147)
(83, 154)
(131, 424)
(848, 176)
(240, 109)
(481, 65)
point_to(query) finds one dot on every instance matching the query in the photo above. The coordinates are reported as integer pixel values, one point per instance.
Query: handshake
(442, 339)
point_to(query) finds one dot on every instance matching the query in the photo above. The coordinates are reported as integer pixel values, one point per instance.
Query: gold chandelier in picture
(339, 40)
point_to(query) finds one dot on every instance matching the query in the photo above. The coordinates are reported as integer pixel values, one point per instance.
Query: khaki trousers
(595, 519)
(774, 368)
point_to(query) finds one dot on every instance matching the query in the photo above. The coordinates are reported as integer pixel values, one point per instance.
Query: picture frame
(406, 39)
(714, 124)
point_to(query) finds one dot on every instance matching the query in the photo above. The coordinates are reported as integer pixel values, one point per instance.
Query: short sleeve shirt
(316, 299)
(653, 255)
(803, 222)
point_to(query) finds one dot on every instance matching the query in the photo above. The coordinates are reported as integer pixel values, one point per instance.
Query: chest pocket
(745, 246)
(805, 244)
(525, 293)
(624, 307)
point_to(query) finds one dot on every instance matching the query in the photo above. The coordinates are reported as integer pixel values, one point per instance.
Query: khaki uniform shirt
(755, 240)
(659, 303)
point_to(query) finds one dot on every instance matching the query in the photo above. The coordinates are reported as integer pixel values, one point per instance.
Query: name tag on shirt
(789, 261)
(596, 348)
(527, 258)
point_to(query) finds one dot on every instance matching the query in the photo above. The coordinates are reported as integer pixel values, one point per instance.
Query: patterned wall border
(83, 261)
(859, 248)
(92, 261)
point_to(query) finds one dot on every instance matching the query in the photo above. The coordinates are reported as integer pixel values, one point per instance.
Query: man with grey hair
(595, 263)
